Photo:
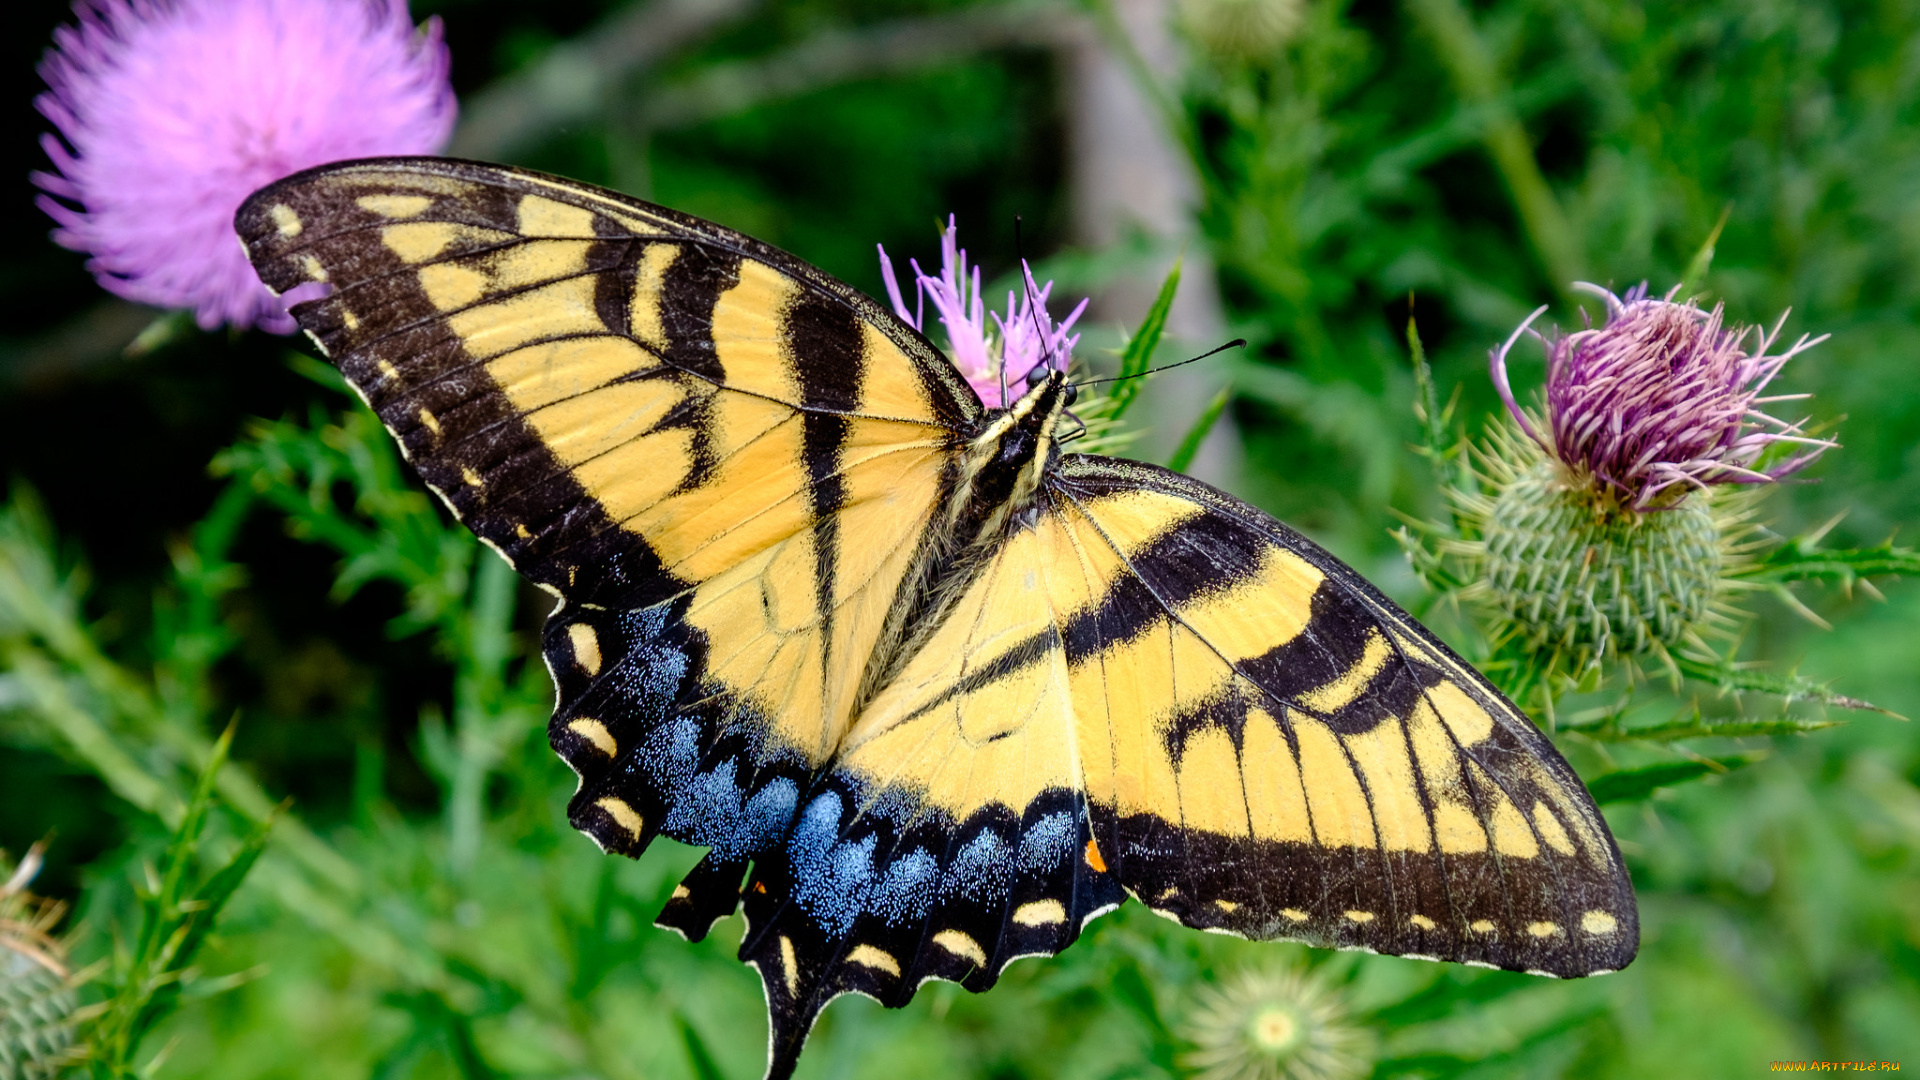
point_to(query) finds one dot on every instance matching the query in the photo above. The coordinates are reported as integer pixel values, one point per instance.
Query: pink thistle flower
(1662, 399)
(170, 112)
(998, 361)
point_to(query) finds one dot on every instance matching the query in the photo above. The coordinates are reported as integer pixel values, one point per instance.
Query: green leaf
(1454, 992)
(175, 920)
(1695, 276)
(1697, 728)
(318, 371)
(1197, 434)
(1138, 354)
(1629, 785)
(1426, 399)
(704, 1066)
(201, 912)
(1689, 724)
(1801, 559)
(169, 328)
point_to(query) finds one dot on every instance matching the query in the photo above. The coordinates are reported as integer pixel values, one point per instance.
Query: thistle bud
(1274, 1024)
(1586, 579)
(37, 998)
(1612, 516)
(1241, 30)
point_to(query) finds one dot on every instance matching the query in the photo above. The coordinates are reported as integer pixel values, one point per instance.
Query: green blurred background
(425, 912)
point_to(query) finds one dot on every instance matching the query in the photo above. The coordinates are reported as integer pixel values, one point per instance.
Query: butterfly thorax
(997, 489)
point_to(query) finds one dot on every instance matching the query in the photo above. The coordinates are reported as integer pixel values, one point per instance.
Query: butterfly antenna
(1236, 343)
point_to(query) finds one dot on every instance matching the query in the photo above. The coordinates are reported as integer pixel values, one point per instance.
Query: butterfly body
(932, 692)
(999, 475)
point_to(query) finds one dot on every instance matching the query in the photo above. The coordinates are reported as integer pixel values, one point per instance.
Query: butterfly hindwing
(952, 835)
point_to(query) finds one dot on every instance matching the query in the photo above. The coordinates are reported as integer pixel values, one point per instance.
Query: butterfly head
(1010, 456)
(1033, 421)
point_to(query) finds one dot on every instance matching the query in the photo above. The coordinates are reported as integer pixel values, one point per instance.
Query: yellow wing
(670, 425)
(1155, 687)
(1291, 756)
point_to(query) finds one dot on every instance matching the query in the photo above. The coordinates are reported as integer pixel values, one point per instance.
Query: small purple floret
(170, 112)
(1662, 399)
(996, 362)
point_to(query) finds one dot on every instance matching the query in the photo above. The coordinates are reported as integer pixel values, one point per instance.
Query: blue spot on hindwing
(770, 811)
(711, 808)
(1047, 843)
(648, 674)
(670, 755)
(979, 871)
(906, 891)
(831, 877)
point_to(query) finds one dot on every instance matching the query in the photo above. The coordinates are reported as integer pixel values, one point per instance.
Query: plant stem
(1476, 78)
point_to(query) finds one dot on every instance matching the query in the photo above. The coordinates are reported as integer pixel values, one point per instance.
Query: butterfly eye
(1072, 395)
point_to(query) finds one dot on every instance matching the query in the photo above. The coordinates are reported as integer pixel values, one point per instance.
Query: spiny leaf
(1138, 354)
(198, 917)
(1426, 399)
(1606, 726)
(1728, 676)
(1800, 559)
(1697, 728)
(1628, 785)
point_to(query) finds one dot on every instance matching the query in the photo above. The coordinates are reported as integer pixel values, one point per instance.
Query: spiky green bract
(36, 1018)
(1278, 1023)
(37, 998)
(1106, 400)
(1587, 578)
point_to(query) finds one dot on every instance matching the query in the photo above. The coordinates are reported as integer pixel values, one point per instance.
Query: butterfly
(932, 692)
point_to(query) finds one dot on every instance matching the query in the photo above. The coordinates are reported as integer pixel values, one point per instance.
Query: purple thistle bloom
(1661, 396)
(998, 363)
(170, 112)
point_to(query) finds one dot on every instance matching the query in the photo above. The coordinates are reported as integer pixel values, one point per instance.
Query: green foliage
(1197, 434)
(1627, 785)
(423, 910)
(1137, 356)
(147, 976)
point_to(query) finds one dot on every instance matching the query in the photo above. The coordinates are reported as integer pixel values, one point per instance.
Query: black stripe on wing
(1545, 891)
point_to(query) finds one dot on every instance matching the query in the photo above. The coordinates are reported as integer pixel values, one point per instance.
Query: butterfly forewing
(637, 409)
(1293, 757)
